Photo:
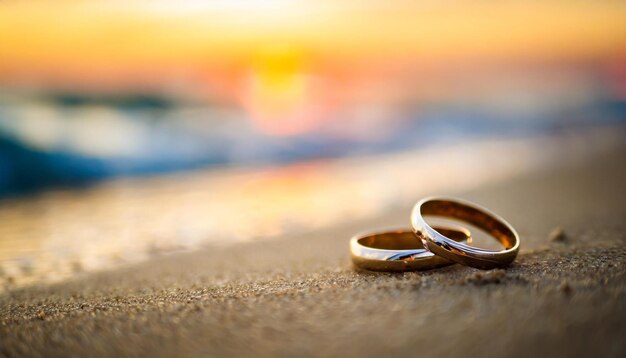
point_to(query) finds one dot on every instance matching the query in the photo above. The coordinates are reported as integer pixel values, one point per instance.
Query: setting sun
(282, 97)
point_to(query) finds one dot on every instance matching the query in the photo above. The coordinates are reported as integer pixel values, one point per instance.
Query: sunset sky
(113, 38)
(289, 61)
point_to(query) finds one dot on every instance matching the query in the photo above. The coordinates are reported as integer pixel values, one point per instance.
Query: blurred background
(132, 129)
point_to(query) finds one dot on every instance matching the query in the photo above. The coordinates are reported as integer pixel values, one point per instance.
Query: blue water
(225, 137)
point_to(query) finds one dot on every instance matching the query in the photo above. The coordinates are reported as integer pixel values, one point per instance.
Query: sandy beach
(183, 179)
(565, 295)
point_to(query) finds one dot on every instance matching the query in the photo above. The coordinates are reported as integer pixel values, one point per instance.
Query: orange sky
(287, 62)
(118, 36)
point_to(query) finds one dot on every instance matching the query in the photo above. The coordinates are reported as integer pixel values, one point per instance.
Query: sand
(299, 295)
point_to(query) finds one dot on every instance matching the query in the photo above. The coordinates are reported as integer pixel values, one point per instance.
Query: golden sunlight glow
(187, 7)
(122, 34)
(280, 95)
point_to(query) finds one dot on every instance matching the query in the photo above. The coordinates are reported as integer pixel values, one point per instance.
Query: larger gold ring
(398, 250)
(470, 213)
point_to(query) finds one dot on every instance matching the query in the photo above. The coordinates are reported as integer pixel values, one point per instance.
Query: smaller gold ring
(398, 250)
(441, 245)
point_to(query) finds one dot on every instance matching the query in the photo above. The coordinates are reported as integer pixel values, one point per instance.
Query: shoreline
(61, 235)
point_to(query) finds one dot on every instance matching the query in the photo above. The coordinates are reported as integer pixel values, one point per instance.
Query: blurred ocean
(67, 140)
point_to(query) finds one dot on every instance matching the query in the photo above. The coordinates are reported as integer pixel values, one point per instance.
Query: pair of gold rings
(426, 247)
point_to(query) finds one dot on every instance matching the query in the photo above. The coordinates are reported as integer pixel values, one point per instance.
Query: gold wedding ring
(399, 250)
(444, 246)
